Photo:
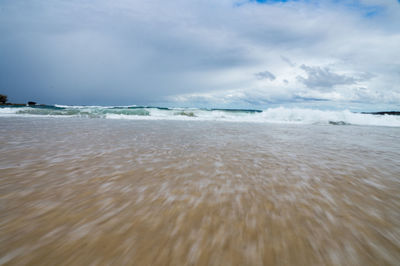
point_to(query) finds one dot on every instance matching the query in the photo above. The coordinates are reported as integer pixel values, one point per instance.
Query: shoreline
(32, 104)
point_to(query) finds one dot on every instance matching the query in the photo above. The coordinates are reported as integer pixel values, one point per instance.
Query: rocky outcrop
(3, 99)
(383, 113)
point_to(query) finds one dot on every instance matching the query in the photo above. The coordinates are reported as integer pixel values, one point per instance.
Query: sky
(341, 54)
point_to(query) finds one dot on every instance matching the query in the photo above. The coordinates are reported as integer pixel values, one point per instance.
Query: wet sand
(99, 192)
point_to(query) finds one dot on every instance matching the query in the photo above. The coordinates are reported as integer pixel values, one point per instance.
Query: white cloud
(201, 51)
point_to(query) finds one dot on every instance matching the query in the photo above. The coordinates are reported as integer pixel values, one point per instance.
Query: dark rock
(3, 98)
(190, 114)
(338, 123)
(383, 113)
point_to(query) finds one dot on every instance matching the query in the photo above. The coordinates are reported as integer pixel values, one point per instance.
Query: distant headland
(382, 113)
(4, 101)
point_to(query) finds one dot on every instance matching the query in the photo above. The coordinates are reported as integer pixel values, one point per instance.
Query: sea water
(271, 115)
(202, 191)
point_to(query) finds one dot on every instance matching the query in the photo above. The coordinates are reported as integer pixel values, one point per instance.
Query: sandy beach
(98, 192)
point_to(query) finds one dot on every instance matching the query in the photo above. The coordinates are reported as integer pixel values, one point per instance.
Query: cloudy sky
(207, 53)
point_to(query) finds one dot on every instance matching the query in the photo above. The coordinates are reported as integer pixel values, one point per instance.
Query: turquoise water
(271, 115)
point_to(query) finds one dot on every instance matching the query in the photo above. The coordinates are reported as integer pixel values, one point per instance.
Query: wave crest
(271, 115)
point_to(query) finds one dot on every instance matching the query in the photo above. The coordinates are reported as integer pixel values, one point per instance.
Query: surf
(270, 115)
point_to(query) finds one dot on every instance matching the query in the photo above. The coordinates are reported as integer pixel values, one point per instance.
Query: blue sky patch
(272, 1)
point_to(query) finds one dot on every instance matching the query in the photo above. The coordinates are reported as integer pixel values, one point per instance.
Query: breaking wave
(271, 115)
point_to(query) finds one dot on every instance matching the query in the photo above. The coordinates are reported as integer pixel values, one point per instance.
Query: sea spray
(271, 115)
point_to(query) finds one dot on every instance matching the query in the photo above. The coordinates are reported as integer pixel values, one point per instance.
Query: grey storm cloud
(144, 52)
(265, 75)
(288, 61)
(323, 78)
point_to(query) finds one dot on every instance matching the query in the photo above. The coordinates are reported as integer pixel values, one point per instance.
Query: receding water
(96, 191)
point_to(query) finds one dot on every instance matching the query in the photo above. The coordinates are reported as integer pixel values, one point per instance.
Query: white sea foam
(310, 116)
(92, 106)
(7, 111)
(272, 115)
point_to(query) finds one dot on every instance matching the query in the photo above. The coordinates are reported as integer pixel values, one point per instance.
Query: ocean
(184, 186)
(271, 115)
